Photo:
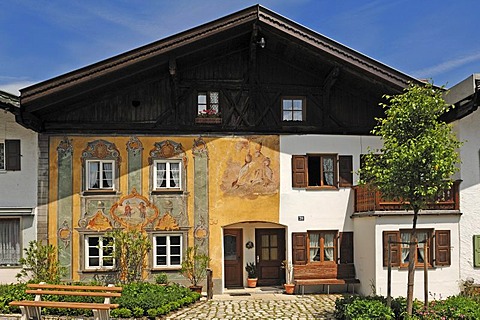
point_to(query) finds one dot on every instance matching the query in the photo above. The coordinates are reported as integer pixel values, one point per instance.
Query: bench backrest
(74, 290)
(325, 271)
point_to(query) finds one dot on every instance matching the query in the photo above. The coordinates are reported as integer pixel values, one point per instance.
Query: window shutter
(12, 155)
(394, 248)
(476, 251)
(345, 169)
(299, 171)
(299, 247)
(442, 248)
(346, 247)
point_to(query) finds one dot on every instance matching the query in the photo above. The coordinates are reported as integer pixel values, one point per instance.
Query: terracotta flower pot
(197, 289)
(252, 282)
(289, 288)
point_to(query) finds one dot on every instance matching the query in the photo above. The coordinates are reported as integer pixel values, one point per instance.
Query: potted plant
(251, 269)
(194, 267)
(289, 285)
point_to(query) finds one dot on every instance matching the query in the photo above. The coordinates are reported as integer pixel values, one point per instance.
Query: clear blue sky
(427, 39)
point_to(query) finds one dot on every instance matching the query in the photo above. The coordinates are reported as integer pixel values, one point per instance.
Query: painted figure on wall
(252, 178)
(134, 211)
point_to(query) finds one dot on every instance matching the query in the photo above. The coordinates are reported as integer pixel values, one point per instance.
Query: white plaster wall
(364, 253)
(321, 209)
(469, 132)
(442, 281)
(18, 189)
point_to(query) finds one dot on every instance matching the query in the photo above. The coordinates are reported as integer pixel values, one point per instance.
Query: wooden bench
(101, 311)
(326, 274)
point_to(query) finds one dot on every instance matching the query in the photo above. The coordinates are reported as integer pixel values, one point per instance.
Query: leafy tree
(130, 249)
(40, 263)
(418, 157)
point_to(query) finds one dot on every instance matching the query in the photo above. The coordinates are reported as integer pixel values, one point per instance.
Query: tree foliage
(419, 153)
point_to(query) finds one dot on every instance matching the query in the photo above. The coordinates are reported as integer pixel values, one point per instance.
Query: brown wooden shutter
(394, 247)
(12, 155)
(442, 248)
(299, 171)
(299, 247)
(346, 247)
(345, 170)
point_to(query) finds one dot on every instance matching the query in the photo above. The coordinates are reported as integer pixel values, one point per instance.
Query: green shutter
(476, 251)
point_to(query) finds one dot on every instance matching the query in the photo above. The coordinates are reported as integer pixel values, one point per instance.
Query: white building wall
(18, 189)
(469, 132)
(442, 281)
(364, 253)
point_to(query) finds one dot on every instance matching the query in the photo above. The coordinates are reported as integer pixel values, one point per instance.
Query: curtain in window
(328, 171)
(328, 247)
(405, 246)
(107, 175)
(93, 175)
(314, 246)
(161, 170)
(175, 172)
(9, 241)
(421, 236)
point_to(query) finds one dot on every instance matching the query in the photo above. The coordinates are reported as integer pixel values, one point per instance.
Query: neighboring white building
(466, 97)
(18, 187)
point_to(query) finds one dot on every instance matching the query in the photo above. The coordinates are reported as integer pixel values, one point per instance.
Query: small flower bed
(141, 299)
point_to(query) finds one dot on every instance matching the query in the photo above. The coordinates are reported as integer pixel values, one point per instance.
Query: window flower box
(202, 120)
(208, 116)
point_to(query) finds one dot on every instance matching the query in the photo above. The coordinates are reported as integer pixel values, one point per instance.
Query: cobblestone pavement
(261, 306)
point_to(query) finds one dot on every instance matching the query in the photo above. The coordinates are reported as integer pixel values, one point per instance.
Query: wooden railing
(370, 199)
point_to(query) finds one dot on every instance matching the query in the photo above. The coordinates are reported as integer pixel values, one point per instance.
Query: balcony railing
(370, 199)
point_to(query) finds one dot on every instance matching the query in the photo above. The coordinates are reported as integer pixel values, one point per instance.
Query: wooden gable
(252, 58)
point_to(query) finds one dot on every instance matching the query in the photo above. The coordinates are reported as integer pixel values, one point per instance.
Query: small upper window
(100, 174)
(10, 155)
(293, 109)
(208, 103)
(168, 174)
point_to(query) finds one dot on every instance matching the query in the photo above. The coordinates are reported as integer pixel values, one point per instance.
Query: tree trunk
(411, 262)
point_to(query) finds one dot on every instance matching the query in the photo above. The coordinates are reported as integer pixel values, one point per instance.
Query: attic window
(208, 103)
(293, 108)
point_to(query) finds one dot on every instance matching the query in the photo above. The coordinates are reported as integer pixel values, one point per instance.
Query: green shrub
(365, 309)
(121, 313)
(161, 278)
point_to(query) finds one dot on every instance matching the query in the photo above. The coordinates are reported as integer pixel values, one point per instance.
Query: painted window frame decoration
(439, 247)
(172, 250)
(167, 152)
(11, 251)
(312, 171)
(293, 108)
(105, 261)
(101, 152)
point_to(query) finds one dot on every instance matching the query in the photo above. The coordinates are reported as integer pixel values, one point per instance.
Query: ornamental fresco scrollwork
(167, 149)
(65, 148)
(101, 149)
(134, 146)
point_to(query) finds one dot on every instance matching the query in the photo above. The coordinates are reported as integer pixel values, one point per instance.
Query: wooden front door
(270, 252)
(233, 257)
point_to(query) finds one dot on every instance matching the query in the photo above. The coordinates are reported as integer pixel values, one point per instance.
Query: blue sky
(427, 39)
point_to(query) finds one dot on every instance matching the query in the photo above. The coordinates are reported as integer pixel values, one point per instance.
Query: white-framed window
(293, 108)
(100, 174)
(167, 174)
(10, 245)
(167, 250)
(99, 252)
(208, 103)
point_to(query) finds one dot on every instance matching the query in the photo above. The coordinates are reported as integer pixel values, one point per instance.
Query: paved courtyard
(260, 305)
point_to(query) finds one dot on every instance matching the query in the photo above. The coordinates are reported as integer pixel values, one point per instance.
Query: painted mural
(134, 211)
(250, 174)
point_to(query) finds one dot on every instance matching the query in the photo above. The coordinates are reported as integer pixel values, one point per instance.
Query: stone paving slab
(261, 306)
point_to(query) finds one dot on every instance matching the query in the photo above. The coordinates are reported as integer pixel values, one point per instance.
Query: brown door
(233, 257)
(270, 252)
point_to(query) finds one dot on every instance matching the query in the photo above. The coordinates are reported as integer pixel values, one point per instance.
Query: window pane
(94, 175)
(273, 240)
(230, 247)
(273, 253)
(161, 261)
(329, 239)
(297, 104)
(93, 251)
(265, 254)
(328, 254)
(174, 240)
(287, 105)
(175, 260)
(174, 175)
(287, 115)
(107, 175)
(297, 116)
(162, 250)
(10, 241)
(328, 171)
(175, 250)
(161, 240)
(202, 102)
(94, 262)
(314, 171)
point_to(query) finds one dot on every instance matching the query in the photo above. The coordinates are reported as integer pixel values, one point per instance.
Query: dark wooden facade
(153, 89)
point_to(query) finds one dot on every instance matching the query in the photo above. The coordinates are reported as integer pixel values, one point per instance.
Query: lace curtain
(314, 246)
(328, 247)
(161, 171)
(328, 171)
(175, 172)
(93, 175)
(107, 175)
(9, 241)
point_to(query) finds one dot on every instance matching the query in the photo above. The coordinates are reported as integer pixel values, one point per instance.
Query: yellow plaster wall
(224, 208)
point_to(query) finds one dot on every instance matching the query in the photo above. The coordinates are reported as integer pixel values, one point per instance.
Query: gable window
(293, 108)
(167, 250)
(321, 171)
(10, 155)
(437, 242)
(10, 250)
(168, 174)
(98, 252)
(100, 174)
(208, 103)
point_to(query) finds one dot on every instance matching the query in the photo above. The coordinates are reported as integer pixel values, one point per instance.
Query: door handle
(258, 259)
